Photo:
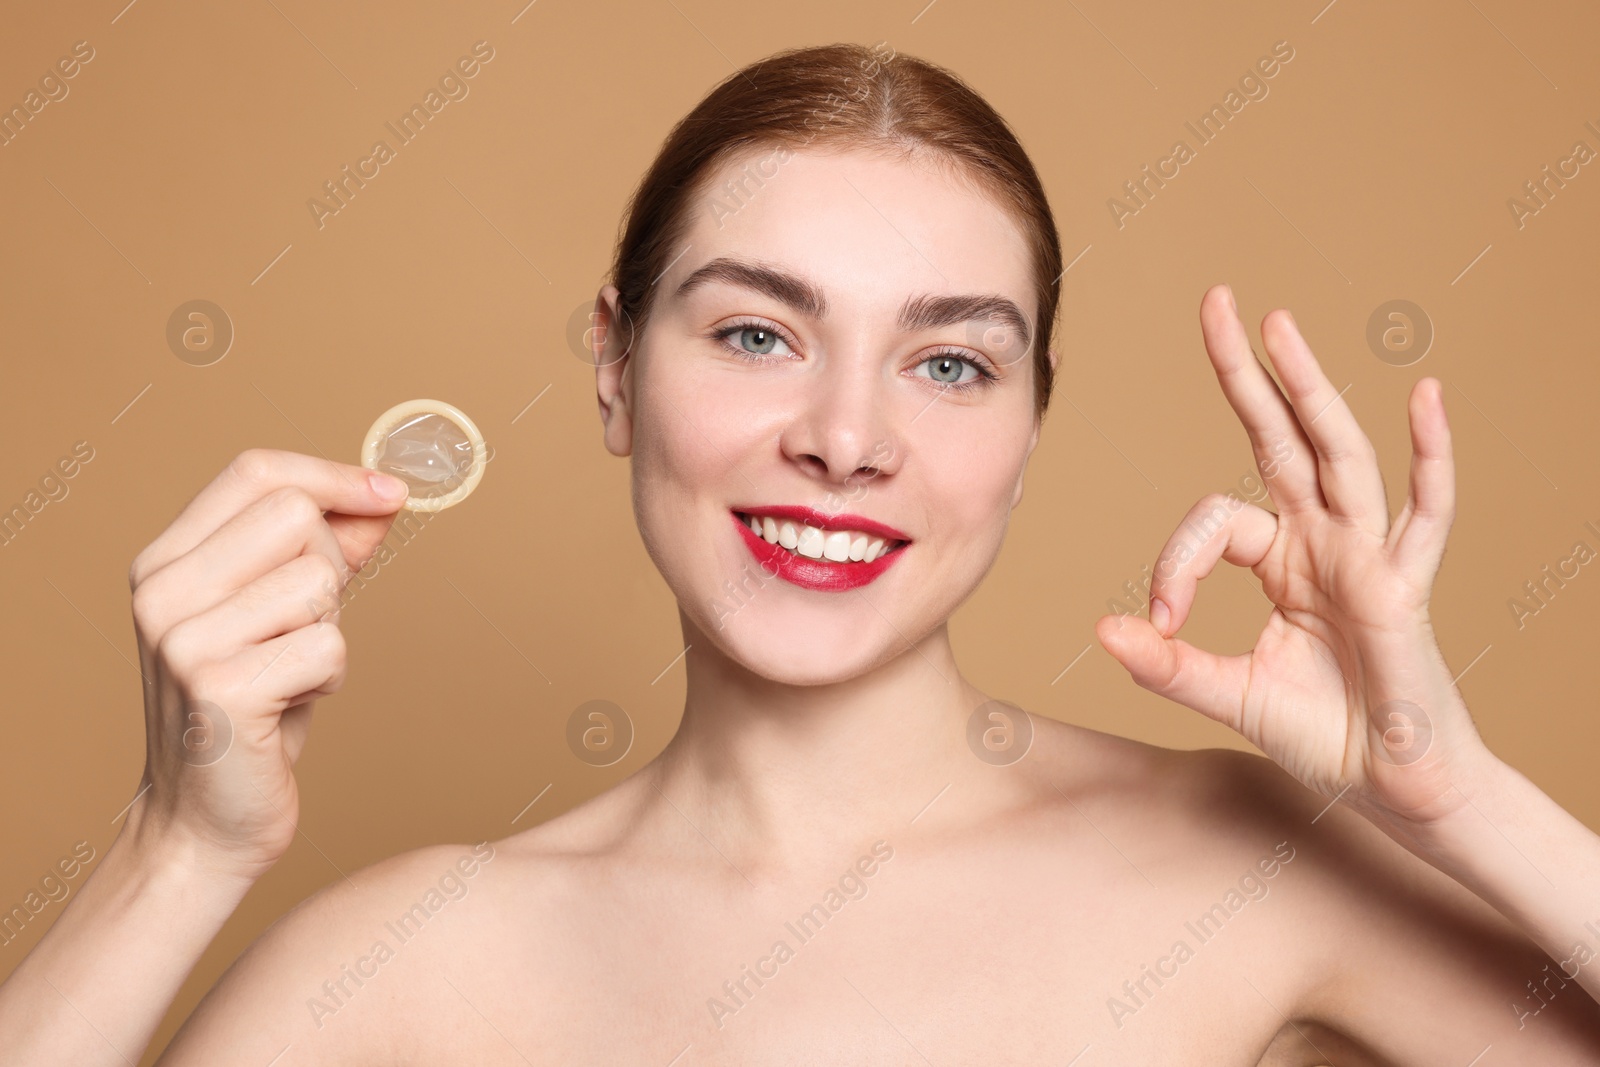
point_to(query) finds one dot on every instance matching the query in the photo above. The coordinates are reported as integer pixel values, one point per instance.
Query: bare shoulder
(1348, 917)
(1212, 807)
(334, 976)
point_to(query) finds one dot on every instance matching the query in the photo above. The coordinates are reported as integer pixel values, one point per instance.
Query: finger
(1347, 464)
(254, 473)
(279, 602)
(290, 668)
(268, 533)
(1282, 452)
(1217, 527)
(1210, 684)
(1424, 522)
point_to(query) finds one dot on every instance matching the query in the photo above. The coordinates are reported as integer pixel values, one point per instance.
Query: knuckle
(147, 607)
(253, 466)
(312, 568)
(318, 582)
(181, 647)
(325, 645)
(136, 571)
(294, 505)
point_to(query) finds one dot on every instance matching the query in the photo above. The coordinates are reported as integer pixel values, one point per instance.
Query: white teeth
(810, 542)
(837, 546)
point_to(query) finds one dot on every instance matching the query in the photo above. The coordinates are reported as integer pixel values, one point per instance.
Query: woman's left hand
(1346, 687)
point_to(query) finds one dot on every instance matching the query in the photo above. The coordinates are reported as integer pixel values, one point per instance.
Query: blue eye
(949, 369)
(754, 338)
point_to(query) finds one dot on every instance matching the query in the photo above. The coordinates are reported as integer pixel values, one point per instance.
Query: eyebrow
(923, 312)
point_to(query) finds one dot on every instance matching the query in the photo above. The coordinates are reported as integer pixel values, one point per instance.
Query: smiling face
(836, 347)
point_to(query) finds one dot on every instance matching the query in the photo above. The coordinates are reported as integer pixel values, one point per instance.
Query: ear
(1033, 439)
(611, 338)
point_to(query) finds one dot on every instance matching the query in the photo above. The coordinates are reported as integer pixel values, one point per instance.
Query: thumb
(359, 535)
(1171, 667)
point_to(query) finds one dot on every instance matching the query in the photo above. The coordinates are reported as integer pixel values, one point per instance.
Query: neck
(786, 775)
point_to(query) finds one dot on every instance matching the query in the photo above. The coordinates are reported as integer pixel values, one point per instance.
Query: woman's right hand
(236, 610)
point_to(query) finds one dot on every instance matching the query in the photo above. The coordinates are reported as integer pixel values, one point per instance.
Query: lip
(826, 523)
(820, 574)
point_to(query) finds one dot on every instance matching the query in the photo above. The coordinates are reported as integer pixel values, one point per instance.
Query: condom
(431, 446)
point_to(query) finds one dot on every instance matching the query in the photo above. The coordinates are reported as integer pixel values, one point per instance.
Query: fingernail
(387, 486)
(1159, 615)
(1231, 301)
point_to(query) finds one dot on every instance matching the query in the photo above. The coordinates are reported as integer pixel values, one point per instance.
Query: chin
(780, 648)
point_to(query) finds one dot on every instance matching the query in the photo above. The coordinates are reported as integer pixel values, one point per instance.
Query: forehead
(866, 227)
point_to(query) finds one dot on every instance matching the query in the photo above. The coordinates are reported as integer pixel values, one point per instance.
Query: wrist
(175, 857)
(1481, 784)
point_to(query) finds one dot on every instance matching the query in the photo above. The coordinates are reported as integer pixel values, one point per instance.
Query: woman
(831, 308)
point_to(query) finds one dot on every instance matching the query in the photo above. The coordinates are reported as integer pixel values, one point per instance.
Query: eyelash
(986, 377)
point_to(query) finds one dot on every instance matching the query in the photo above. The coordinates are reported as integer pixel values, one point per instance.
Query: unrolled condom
(431, 446)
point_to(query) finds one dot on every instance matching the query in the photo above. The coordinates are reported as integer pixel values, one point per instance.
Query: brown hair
(841, 95)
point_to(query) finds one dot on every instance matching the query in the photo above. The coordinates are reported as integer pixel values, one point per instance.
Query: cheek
(690, 433)
(970, 476)
(689, 446)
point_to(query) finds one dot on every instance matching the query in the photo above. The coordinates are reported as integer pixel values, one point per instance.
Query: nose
(841, 430)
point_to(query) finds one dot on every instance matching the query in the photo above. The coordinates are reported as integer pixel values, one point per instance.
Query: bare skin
(1336, 903)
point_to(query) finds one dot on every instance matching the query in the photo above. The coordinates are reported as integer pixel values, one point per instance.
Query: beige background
(179, 166)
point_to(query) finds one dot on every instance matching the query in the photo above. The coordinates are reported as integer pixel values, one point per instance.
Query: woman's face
(822, 349)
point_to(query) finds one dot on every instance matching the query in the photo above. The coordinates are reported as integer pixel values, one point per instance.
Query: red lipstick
(820, 574)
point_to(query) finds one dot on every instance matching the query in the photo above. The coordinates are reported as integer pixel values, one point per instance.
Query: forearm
(96, 986)
(1532, 860)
